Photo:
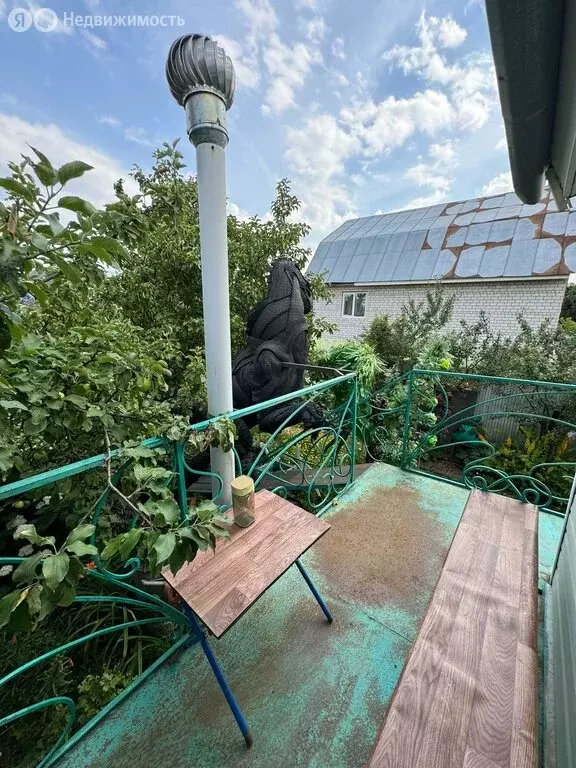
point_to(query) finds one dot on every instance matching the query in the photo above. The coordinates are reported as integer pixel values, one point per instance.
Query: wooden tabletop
(468, 695)
(220, 586)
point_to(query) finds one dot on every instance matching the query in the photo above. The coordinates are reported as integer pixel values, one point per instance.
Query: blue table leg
(232, 703)
(314, 591)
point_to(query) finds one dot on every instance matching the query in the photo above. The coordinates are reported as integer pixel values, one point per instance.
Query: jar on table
(243, 502)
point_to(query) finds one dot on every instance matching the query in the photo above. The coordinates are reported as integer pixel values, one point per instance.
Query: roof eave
(526, 37)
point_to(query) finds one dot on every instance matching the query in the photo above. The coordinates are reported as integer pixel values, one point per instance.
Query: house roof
(488, 237)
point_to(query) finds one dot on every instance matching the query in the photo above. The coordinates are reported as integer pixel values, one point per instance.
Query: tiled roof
(491, 237)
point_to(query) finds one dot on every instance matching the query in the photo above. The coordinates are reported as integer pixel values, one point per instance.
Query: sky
(367, 106)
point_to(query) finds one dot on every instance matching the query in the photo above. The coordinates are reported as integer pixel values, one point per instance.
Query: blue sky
(367, 106)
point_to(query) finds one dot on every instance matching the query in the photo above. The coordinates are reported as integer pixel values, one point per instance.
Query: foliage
(399, 342)
(95, 691)
(384, 429)
(58, 394)
(352, 356)
(159, 286)
(519, 455)
(545, 353)
(569, 304)
(38, 250)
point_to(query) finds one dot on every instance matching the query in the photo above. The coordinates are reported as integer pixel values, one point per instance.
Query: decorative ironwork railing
(511, 436)
(315, 464)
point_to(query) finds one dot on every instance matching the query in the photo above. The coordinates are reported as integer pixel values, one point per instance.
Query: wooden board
(220, 586)
(467, 697)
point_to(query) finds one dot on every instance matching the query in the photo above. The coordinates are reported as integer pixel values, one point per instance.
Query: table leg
(314, 591)
(226, 690)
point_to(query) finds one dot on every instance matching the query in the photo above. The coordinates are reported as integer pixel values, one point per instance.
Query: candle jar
(243, 500)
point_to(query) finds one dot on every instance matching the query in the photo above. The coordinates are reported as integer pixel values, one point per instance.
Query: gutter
(526, 37)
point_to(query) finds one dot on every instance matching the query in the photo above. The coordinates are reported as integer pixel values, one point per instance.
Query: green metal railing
(315, 464)
(510, 436)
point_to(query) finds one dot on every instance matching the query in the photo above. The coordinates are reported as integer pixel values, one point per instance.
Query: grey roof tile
(405, 266)
(478, 233)
(424, 268)
(547, 256)
(494, 261)
(389, 247)
(521, 258)
(469, 262)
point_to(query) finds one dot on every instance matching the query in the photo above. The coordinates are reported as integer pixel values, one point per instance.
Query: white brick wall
(502, 301)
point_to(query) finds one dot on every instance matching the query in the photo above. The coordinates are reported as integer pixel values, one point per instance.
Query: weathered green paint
(314, 694)
(549, 533)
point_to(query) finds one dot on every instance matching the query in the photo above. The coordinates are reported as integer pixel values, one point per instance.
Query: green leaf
(55, 224)
(41, 156)
(112, 547)
(16, 188)
(54, 569)
(26, 571)
(27, 531)
(129, 542)
(12, 405)
(30, 428)
(35, 599)
(178, 557)
(80, 533)
(77, 400)
(39, 294)
(164, 547)
(69, 270)
(65, 594)
(46, 174)
(76, 204)
(9, 603)
(39, 241)
(167, 508)
(80, 548)
(72, 170)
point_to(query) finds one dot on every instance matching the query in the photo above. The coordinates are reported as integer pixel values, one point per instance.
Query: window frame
(354, 295)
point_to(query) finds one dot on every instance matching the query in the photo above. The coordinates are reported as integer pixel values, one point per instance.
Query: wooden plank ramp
(467, 697)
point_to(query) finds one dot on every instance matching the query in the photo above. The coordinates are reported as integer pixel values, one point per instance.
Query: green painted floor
(314, 694)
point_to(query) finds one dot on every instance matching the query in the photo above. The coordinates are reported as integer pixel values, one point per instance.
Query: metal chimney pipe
(202, 80)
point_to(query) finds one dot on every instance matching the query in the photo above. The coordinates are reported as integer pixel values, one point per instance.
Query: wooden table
(220, 586)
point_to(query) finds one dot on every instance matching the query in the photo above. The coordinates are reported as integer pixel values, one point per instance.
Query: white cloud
(502, 144)
(234, 210)
(435, 175)
(314, 29)
(444, 152)
(109, 120)
(139, 136)
(470, 83)
(499, 184)
(96, 42)
(338, 48)
(245, 63)
(2, 9)
(385, 126)
(60, 147)
(317, 153)
(309, 5)
(259, 14)
(287, 66)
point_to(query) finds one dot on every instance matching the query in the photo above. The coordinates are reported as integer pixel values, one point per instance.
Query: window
(354, 304)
